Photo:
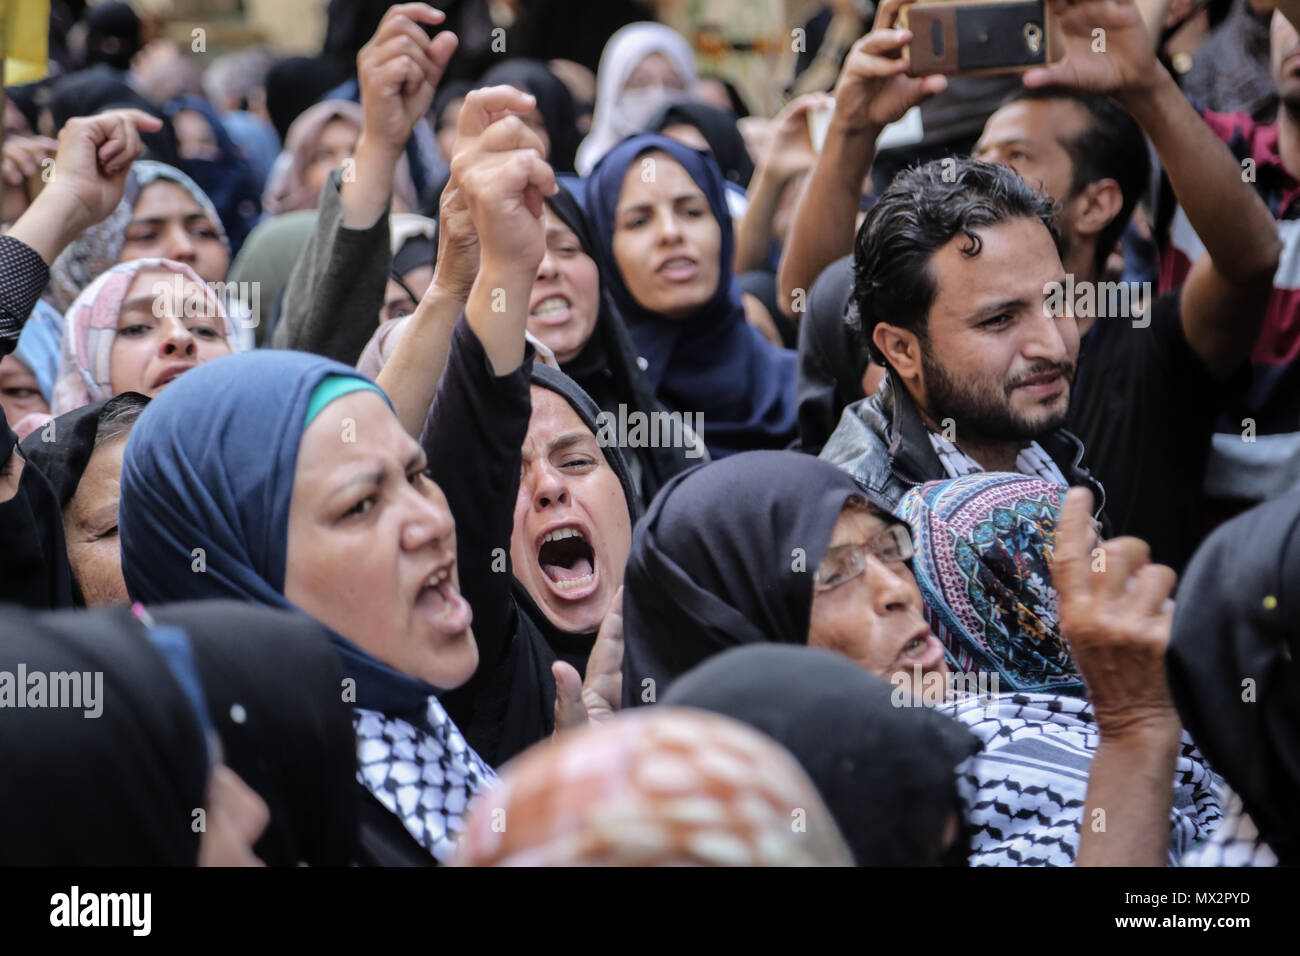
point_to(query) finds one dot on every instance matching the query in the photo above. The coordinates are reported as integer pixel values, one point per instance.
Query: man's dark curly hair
(923, 209)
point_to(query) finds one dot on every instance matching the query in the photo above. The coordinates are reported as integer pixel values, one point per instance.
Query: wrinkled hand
(789, 150)
(23, 158)
(1116, 614)
(457, 263)
(873, 89)
(1127, 64)
(499, 167)
(599, 697)
(398, 70)
(95, 153)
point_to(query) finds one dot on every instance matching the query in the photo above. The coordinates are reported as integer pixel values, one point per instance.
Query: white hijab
(615, 117)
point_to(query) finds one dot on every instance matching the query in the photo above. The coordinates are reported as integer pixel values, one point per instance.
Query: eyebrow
(680, 197)
(141, 303)
(1004, 141)
(159, 220)
(567, 440)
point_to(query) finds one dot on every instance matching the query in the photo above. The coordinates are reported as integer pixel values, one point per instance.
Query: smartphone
(978, 37)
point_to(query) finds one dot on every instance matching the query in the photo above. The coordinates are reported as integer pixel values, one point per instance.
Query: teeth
(676, 263)
(561, 534)
(551, 306)
(437, 577)
(576, 583)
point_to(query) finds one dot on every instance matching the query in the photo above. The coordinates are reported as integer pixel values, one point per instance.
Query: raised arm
(1225, 295)
(871, 92)
(332, 302)
(1116, 615)
(411, 374)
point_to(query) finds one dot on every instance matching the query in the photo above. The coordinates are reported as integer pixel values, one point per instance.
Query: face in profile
(235, 819)
(372, 544)
(20, 393)
(993, 360)
(157, 340)
(169, 223)
(666, 243)
(565, 302)
(572, 530)
(874, 618)
(337, 142)
(194, 136)
(1284, 59)
(90, 526)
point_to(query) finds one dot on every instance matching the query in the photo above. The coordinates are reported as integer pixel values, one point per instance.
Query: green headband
(336, 386)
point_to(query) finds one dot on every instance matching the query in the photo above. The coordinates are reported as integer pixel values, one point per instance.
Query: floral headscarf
(98, 248)
(85, 360)
(984, 566)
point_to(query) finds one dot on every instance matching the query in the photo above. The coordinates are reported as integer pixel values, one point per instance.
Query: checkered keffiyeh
(1032, 460)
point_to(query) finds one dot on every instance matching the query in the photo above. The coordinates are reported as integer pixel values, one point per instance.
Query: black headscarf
(554, 103)
(719, 129)
(100, 88)
(112, 35)
(64, 460)
(1234, 663)
(725, 556)
(274, 689)
(607, 368)
(34, 569)
(886, 772)
(118, 789)
(832, 356)
(295, 83)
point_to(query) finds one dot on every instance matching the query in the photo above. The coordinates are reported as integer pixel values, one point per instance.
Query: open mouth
(923, 650)
(169, 376)
(441, 601)
(552, 310)
(568, 562)
(678, 269)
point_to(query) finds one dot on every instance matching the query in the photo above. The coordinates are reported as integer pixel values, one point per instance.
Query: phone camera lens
(1033, 37)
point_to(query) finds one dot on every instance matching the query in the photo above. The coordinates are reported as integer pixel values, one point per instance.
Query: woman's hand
(498, 165)
(458, 251)
(599, 697)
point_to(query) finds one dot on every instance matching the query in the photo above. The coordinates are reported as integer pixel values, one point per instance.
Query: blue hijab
(713, 362)
(210, 465)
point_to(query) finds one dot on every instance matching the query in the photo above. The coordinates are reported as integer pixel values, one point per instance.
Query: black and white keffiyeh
(1235, 843)
(1023, 794)
(427, 779)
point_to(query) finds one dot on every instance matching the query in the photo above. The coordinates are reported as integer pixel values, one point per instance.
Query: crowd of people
(427, 454)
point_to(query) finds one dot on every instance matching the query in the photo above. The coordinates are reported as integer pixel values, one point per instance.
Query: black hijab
(34, 569)
(119, 789)
(719, 129)
(886, 772)
(64, 460)
(100, 87)
(725, 556)
(273, 684)
(1234, 663)
(607, 370)
(832, 356)
(554, 103)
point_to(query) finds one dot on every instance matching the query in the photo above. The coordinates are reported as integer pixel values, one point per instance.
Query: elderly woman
(664, 236)
(772, 547)
(137, 328)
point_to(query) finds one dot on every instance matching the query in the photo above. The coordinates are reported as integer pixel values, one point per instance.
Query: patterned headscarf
(85, 361)
(660, 787)
(984, 566)
(97, 249)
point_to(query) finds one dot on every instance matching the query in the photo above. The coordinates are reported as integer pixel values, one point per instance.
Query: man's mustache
(1064, 369)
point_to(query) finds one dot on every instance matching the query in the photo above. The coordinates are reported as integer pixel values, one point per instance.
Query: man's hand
(599, 697)
(95, 153)
(1115, 613)
(1108, 49)
(873, 89)
(500, 170)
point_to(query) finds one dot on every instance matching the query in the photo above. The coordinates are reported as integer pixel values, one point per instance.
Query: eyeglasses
(844, 563)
